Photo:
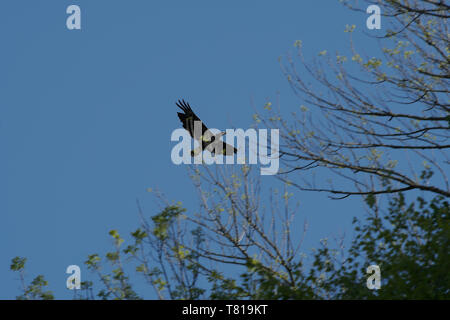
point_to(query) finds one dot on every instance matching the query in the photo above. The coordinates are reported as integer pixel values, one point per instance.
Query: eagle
(206, 139)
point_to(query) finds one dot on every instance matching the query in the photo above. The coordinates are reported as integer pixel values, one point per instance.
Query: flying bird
(206, 139)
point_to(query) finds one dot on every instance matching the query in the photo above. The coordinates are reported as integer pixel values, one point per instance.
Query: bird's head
(220, 134)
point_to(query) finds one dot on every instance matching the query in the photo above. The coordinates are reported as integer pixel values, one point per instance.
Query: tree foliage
(36, 289)
(373, 126)
(190, 255)
(368, 119)
(411, 245)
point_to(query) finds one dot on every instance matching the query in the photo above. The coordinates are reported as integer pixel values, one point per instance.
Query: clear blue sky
(86, 116)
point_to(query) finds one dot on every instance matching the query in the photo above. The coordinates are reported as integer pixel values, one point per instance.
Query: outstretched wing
(228, 150)
(188, 119)
(221, 147)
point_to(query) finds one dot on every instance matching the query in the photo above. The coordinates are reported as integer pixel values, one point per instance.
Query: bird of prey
(206, 139)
